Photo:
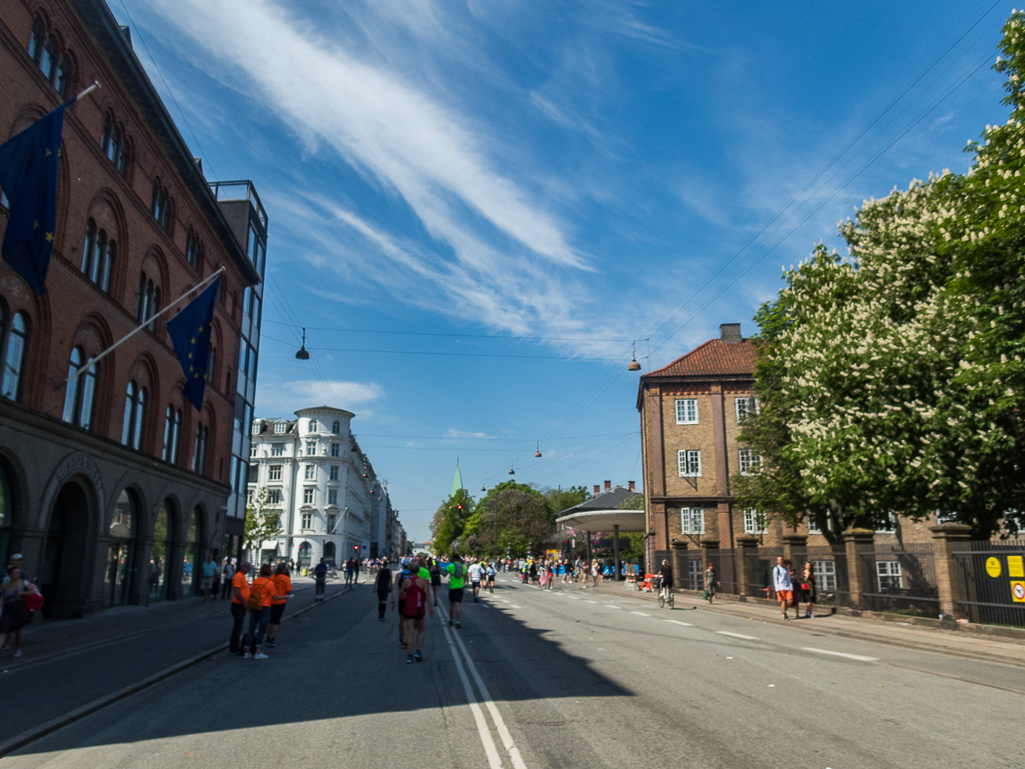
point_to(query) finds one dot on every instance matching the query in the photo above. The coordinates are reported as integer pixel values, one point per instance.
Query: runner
(476, 576)
(382, 586)
(320, 575)
(491, 577)
(435, 569)
(413, 597)
(402, 576)
(456, 580)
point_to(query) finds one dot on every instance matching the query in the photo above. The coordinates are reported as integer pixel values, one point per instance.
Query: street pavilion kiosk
(602, 513)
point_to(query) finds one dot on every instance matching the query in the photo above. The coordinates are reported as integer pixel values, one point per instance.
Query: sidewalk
(68, 665)
(895, 630)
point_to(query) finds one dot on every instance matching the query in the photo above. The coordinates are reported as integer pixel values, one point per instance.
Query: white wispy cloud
(464, 434)
(285, 397)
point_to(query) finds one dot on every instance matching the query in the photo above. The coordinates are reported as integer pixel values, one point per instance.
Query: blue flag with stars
(28, 176)
(190, 334)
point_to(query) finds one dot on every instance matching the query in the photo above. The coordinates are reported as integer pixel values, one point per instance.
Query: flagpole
(89, 90)
(93, 361)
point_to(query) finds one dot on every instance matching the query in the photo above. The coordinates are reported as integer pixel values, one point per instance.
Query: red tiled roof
(714, 358)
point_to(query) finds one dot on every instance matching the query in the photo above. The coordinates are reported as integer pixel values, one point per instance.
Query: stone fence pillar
(707, 546)
(858, 542)
(794, 543)
(945, 538)
(747, 550)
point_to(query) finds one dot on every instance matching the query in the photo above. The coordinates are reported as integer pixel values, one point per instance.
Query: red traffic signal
(356, 548)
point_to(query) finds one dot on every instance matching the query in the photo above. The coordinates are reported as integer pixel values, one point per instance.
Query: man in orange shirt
(239, 596)
(282, 592)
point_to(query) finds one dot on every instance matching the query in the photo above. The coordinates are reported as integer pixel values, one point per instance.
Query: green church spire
(457, 482)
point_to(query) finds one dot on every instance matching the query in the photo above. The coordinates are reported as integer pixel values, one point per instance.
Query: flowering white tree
(891, 377)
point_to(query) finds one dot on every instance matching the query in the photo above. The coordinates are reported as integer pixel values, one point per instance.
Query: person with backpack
(456, 579)
(261, 593)
(320, 579)
(415, 602)
(382, 586)
(783, 585)
(401, 577)
(283, 591)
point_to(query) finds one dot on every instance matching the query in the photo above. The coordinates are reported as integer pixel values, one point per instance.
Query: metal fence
(759, 574)
(992, 579)
(902, 579)
(832, 580)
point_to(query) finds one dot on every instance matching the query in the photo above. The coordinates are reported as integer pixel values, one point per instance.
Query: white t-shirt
(476, 570)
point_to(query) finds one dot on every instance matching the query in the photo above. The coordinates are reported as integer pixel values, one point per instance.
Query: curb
(38, 732)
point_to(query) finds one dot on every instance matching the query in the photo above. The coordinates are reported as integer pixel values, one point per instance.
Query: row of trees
(892, 378)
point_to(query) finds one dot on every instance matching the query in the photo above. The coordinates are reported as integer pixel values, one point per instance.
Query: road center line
(640, 613)
(677, 622)
(840, 654)
(613, 606)
(590, 602)
(737, 635)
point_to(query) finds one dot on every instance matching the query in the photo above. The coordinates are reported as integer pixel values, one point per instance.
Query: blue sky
(476, 206)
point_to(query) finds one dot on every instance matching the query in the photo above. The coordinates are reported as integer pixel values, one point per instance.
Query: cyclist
(665, 577)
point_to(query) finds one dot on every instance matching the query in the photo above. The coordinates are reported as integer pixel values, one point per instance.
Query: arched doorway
(329, 553)
(163, 545)
(62, 572)
(121, 551)
(6, 514)
(305, 556)
(193, 548)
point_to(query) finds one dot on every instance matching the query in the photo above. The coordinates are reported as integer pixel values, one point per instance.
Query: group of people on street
(791, 590)
(263, 602)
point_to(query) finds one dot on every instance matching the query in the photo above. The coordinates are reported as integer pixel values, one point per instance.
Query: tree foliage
(511, 517)
(450, 520)
(891, 378)
(262, 522)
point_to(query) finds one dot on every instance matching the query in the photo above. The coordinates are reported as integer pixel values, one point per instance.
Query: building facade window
(113, 144)
(193, 252)
(754, 522)
(48, 56)
(825, 575)
(686, 411)
(199, 454)
(98, 256)
(887, 524)
(689, 463)
(135, 414)
(279, 428)
(307, 522)
(274, 473)
(313, 425)
(160, 207)
(334, 472)
(336, 427)
(149, 300)
(273, 496)
(749, 461)
(332, 521)
(172, 435)
(277, 449)
(692, 520)
(744, 407)
(311, 448)
(308, 496)
(14, 337)
(332, 496)
(336, 449)
(81, 391)
(310, 473)
(889, 575)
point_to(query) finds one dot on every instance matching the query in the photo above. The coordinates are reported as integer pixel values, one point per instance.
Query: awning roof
(603, 520)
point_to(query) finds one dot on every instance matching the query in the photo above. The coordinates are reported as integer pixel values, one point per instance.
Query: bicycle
(665, 595)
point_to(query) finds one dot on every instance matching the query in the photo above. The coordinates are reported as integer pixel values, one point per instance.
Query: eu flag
(28, 176)
(190, 334)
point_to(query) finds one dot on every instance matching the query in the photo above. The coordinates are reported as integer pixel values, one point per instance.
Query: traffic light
(356, 547)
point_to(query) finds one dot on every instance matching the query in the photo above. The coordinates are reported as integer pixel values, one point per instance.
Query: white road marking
(494, 760)
(515, 606)
(590, 602)
(574, 597)
(677, 622)
(840, 654)
(640, 613)
(613, 606)
(737, 635)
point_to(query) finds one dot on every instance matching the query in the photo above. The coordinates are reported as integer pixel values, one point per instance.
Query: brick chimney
(631, 486)
(608, 485)
(730, 333)
(597, 490)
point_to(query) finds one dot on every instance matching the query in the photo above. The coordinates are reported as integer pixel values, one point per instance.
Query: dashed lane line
(682, 624)
(858, 657)
(736, 635)
(640, 614)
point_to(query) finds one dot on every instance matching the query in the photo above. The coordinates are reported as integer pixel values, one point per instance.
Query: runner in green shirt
(456, 579)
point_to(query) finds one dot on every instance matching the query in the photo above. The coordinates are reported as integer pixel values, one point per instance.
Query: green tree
(449, 521)
(262, 522)
(891, 378)
(511, 517)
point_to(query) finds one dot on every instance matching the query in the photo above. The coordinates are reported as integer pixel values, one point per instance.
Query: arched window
(199, 454)
(81, 391)
(121, 551)
(149, 300)
(14, 355)
(135, 414)
(193, 252)
(336, 427)
(160, 207)
(163, 541)
(114, 145)
(98, 256)
(172, 434)
(313, 425)
(47, 55)
(193, 545)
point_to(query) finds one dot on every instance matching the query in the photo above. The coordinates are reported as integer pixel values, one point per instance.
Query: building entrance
(62, 572)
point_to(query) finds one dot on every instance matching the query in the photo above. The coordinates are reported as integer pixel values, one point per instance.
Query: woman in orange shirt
(239, 596)
(263, 587)
(282, 592)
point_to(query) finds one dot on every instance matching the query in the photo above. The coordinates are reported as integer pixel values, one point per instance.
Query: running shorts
(455, 595)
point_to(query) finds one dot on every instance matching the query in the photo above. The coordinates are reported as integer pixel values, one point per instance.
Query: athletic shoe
(418, 656)
(260, 656)
(248, 656)
(458, 626)
(17, 652)
(450, 622)
(409, 658)
(271, 644)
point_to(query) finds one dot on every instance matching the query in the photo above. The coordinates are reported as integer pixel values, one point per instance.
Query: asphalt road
(564, 678)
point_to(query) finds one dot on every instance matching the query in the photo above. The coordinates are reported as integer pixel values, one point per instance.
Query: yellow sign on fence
(1015, 568)
(1018, 591)
(993, 567)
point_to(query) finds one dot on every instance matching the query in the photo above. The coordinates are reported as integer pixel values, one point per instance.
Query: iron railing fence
(902, 579)
(832, 580)
(992, 581)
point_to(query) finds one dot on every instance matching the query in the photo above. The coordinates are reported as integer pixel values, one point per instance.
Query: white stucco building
(331, 502)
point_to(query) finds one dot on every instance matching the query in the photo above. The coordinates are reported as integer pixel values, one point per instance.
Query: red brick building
(113, 487)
